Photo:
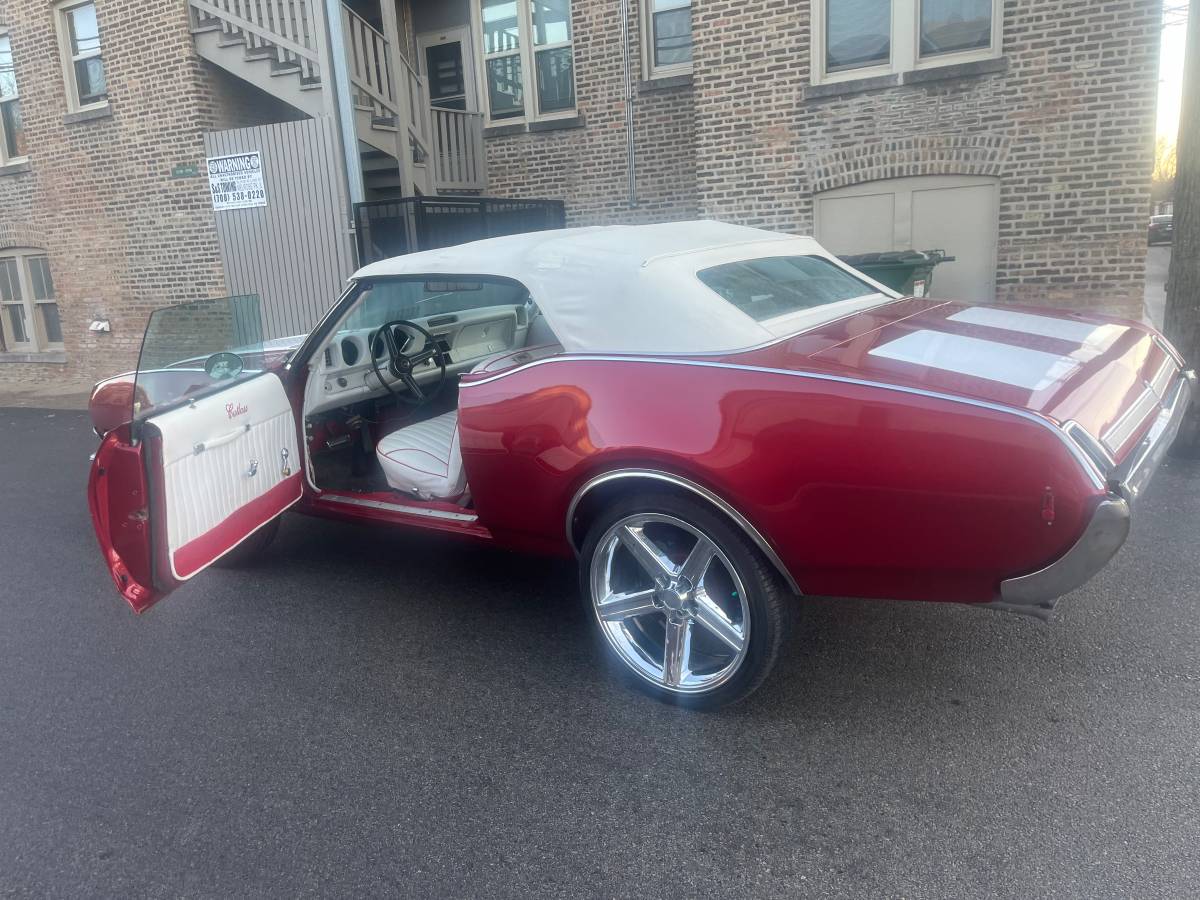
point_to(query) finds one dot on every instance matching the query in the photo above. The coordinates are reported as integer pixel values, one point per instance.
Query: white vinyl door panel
(229, 466)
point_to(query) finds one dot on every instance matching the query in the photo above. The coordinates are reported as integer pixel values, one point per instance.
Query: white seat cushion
(424, 459)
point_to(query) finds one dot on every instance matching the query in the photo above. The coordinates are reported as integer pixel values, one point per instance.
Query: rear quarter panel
(862, 491)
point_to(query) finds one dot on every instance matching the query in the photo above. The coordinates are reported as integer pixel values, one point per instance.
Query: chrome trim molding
(1129, 421)
(652, 474)
(1143, 461)
(400, 508)
(1037, 593)
(1092, 447)
(1093, 472)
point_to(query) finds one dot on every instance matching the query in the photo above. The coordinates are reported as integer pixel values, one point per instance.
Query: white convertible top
(632, 288)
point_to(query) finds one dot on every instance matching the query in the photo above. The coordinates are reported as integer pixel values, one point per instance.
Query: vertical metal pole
(338, 81)
(631, 147)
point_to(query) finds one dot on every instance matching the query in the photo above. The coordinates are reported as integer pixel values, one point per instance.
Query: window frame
(5, 159)
(651, 72)
(905, 36)
(67, 58)
(36, 339)
(526, 52)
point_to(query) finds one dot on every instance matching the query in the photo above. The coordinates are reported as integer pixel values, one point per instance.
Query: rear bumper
(1036, 594)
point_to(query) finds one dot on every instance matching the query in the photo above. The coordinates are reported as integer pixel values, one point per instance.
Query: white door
(446, 62)
(228, 465)
(955, 213)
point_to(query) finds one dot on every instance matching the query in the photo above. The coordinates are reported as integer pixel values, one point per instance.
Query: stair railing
(370, 66)
(284, 28)
(458, 137)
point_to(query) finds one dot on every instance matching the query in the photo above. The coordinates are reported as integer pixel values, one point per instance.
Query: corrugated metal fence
(295, 253)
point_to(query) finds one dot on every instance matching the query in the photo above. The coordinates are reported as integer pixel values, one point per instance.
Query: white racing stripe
(1063, 329)
(1021, 367)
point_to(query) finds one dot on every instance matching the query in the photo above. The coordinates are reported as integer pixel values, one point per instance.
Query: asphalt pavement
(382, 713)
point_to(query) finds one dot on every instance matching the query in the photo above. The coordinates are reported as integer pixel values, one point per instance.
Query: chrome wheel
(670, 603)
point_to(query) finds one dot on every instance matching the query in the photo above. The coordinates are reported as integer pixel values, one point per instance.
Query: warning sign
(237, 181)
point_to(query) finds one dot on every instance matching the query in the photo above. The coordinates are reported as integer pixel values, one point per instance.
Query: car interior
(381, 400)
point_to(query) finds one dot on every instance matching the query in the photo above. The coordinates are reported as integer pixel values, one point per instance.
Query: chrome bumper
(1036, 594)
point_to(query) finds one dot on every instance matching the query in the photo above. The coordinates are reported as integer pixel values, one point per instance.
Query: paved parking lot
(380, 712)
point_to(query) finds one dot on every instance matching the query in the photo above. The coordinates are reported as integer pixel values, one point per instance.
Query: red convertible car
(713, 419)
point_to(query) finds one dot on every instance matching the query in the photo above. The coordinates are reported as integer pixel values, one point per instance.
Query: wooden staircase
(278, 46)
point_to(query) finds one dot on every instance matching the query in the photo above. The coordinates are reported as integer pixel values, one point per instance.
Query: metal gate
(295, 253)
(396, 227)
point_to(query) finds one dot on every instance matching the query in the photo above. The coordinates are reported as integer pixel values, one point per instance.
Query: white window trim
(528, 76)
(67, 58)
(29, 303)
(5, 159)
(905, 44)
(650, 72)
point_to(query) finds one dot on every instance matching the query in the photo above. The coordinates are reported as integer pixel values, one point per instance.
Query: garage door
(958, 214)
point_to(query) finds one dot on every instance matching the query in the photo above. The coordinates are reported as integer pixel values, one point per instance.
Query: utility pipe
(631, 145)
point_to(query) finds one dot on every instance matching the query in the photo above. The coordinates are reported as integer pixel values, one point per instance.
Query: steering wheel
(401, 365)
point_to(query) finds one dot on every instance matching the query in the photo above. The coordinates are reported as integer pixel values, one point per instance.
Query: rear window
(775, 286)
(1161, 220)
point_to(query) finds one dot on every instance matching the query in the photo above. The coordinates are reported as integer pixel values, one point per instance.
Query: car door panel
(118, 502)
(227, 464)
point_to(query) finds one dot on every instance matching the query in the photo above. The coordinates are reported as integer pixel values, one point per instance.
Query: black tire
(770, 602)
(250, 551)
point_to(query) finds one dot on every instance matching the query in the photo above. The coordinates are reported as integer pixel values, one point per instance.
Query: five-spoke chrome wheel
(670, 602)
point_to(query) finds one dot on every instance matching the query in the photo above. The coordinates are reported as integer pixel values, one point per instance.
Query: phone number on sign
(238, 196)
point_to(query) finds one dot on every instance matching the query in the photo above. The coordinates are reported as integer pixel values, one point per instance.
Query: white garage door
(958, 214)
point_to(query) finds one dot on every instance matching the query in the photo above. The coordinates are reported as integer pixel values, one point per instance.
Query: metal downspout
(631, 148)
(338, 81)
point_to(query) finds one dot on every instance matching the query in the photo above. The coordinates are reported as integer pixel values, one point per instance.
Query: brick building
(1016, 135)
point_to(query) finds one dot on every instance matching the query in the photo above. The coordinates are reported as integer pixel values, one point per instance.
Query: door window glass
(195, 348)
(447, 85)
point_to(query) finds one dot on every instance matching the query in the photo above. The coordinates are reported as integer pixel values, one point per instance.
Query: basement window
(528, 69)
(12, 130)
(82, 56)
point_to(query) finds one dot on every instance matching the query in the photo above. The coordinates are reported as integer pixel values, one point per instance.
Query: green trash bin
(910, 272)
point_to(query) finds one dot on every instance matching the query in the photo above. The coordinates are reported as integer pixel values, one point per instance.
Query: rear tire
(249, 552)
(688, 632)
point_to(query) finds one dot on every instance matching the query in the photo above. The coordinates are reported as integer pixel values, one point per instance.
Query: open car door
(208, 457)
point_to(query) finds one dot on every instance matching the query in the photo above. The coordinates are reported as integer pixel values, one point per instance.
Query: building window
(12, 131)
(666, 38)
(28, 310)
(83, 61)
(528, 58)
(863, 38)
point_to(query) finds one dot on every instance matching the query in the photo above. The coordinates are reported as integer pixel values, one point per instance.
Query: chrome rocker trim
(1036, 594)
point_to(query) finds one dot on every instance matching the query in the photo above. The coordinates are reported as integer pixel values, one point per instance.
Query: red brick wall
(123, 236)
(1068, 127)
(586, 166)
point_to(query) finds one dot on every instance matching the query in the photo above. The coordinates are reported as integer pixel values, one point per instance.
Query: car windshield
(775, 286)
(1160, 220)
(196, 347)
(392, 299)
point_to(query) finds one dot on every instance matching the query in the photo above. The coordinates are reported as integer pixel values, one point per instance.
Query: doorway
(447, 63)
(956, 213)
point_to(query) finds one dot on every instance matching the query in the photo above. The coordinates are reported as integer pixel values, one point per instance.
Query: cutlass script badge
(233, 410)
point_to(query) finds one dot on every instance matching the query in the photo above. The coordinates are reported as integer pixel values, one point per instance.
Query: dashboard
(344, 372)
